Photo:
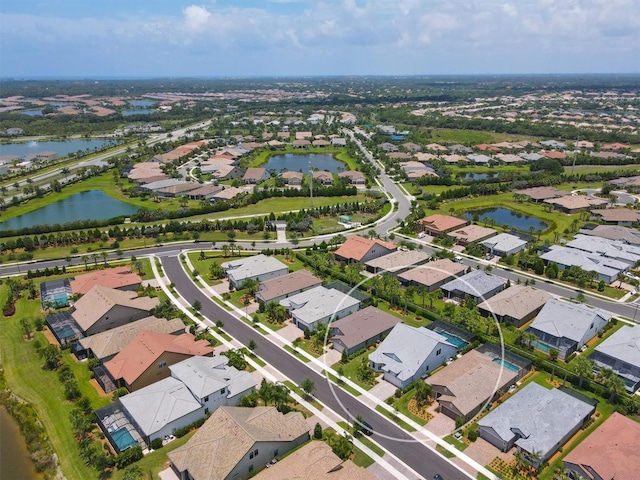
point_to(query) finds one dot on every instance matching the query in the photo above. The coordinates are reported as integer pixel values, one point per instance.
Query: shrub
(472, 435)
(156, 443)
(398, 393)
(129, 456)
(317, 431)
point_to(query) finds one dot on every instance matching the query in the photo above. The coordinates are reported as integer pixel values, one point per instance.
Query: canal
(15, 463)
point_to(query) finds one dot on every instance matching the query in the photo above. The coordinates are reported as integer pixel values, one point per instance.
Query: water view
(90, 205)
(141, 103)
(300, 163)
(61, 148)
(31, 113)
(142, 111)
(479, 176)
(504, 216)
(14, 456)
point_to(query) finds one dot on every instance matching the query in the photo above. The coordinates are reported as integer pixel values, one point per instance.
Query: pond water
(300, 163)
(31, 113)
(89, 205)
(14, 456)
(504, 216)
(479, 176)
(61, 148)
(142, 111)
(142, 103)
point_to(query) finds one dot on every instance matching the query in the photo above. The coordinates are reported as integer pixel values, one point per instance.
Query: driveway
(290, 332)
(483, 452)
(383, 389)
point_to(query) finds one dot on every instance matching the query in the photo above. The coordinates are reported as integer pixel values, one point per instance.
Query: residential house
(437, 224)
(504, 244)
(339, 142)
(538, 421)
(621, 353)
(255, 175)
(508, 158)
(530, 157)
(292, 178)
(515, 305)
(577, 203)
(279, 288)
(614, 232)
(454, 158)
(354, 177)
(396, 261)
(146, 358)
(554, 144)
(434, 147)
(584, 144)
(118, 278)
(610, 452)
(304, 135)
(471, 233)
(567, 326)
(399, 156)
(321, 143)
(388, 147)
(205, 192)
(411, 147)
(468, 384)
(301, 144)
(314, 461)
(228, 193)
(609, 249)
(460, 149)
(539, 194)
(607, 269)
(553, 154)
(614, 147)
(432, 275)
(258, 267)
(226, 172)
(476, 285)
(106, 345)
(361, 249)
(103, 308)
(361, 329)
(479, 159)
(618, 216)
(276, 144)
(323, 177)
(319, 305)
(408, 353)
(236, 442)
(197, 386)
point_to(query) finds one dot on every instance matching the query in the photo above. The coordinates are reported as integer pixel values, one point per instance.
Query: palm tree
(94, 257)
(583, 368)
(104, 257)
(225, 250)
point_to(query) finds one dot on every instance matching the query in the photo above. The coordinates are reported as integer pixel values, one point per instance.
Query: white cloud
(196, 18)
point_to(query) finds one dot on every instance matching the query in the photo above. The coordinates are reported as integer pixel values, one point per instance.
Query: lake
(142, 111)
(504, 216)
(141, 103)
(14, 456)
(61, 148)
(90, 205)
(31, 113)
(300, 163)
(479, 176)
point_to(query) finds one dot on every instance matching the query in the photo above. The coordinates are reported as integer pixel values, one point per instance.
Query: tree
(252, 345)
(423, 391)
(358, 424)
(133, 472)
(197, 305)
(308, 386)
(340, 372)
(341, 446)
(26, 327)
(52, 357)
(583, 368)
(317, 431)
(553, 354)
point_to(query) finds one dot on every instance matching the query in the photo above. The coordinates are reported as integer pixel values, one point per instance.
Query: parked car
(366, 428)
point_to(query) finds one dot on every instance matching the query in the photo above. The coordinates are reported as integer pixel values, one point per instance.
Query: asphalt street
(423, 460)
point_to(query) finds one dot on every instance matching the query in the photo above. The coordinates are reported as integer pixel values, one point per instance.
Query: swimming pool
(511, 366)
(123, 439)
(452, 339)
(542, 346)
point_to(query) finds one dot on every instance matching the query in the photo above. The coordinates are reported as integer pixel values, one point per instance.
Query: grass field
(586, 169)
(447, 135)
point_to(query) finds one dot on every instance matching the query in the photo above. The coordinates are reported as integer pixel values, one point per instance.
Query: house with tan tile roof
(314, 461)
(354, 177)
(147, 358)
(255, 175)
(105, 345)
(432, 275)
(464, 387)
(537, 194)
(553, 154)
(435, 147)
(235, 442)
(614, 146)
(301, 144)
(292, 178)
(119, 278)
(436, 224)
(577, 203)
(396, 261)
(516, 305)
(304, 135)
(323, 177)
(279, 288)
(471, 233)
(618, 216)
(361, 249)
(103, 308)
(610, 452)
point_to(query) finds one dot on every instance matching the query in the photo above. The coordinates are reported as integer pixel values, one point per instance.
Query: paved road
(417, 456)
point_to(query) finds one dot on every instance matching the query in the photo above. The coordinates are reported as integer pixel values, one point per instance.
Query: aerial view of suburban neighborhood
(318, 269)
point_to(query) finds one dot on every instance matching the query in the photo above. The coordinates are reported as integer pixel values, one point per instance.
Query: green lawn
(588, 169)
(401, 404)
(27, 379)
(451, 135)
(401, 423)
(350, 370)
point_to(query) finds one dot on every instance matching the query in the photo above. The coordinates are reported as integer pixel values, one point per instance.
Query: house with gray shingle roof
(538, 421)
(235, 441)
(475, 284)
(621, 353)
(567, 326)
(408, 353)
(504, 244)
(364, 327)
(258, 267)
(319, 305)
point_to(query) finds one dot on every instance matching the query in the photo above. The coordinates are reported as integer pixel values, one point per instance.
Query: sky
(176, 38)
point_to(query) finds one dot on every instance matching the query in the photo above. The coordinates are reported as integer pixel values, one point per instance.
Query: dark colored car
(366, 428)
(437, 476)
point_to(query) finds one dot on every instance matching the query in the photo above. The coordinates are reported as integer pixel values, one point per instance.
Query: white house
(319, 305)
(258, 267)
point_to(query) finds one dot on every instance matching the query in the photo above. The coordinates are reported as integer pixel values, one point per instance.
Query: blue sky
(116, 38)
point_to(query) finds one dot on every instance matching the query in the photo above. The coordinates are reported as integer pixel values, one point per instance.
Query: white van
(457, 258)
(421, 235)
